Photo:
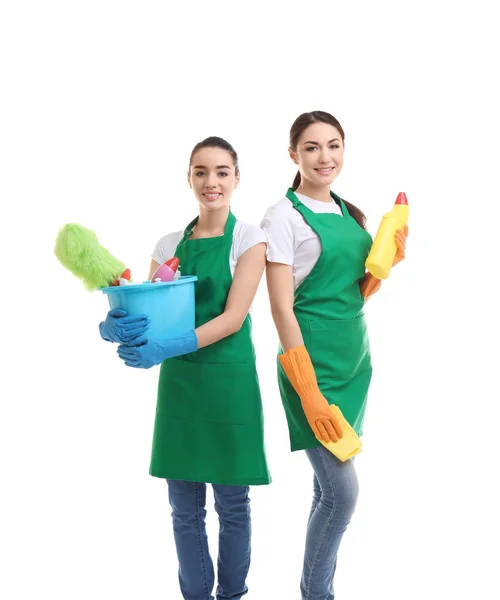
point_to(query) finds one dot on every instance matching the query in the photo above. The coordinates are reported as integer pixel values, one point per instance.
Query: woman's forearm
(222, 326)
(281, 296)
(288, 329)
(369, 285)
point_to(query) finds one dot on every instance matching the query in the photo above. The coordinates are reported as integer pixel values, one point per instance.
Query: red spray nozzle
(124, 275)
(401, 199)
(173, 263)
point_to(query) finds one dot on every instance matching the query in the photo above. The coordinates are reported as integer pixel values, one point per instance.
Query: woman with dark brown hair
(317, 248)
(209, 425)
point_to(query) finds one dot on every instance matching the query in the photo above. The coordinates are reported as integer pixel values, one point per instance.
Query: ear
(189, 180)
(293, 156)
(236, 180)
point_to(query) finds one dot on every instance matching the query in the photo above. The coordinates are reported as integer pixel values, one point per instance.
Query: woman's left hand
(400, 239)
(141, 357)
(153, 353)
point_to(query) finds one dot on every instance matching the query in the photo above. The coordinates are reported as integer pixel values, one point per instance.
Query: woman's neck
(211, 223)
(319, 192)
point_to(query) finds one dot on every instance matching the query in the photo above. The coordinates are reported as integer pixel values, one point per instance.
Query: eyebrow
(317, 144)
(218, 167)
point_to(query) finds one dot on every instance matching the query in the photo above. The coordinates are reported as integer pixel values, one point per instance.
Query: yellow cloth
(349, 444)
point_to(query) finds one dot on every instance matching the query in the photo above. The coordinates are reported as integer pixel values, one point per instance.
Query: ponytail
(356, 213)
(296, 181)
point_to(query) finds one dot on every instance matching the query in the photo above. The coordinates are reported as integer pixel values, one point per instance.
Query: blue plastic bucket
(169, 305)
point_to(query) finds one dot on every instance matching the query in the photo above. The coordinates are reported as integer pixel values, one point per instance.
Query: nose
(324, 157)
(212, 181)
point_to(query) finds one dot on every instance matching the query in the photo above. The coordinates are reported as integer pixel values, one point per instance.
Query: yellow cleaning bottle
(383, 251)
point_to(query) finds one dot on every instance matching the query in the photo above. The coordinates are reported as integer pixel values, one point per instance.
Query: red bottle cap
(173, 263)
(126, 274)
(401, 199)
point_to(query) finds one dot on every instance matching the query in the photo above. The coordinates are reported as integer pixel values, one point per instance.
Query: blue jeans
(196, 571)
(334, 499)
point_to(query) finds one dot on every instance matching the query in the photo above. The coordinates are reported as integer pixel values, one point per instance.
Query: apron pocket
(339, 349)
(217, 393)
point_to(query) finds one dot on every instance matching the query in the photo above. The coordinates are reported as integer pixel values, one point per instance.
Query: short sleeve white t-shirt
(245, 236)
(290, 240)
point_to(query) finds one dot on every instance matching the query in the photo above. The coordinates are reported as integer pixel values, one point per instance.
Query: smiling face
(319, 154)
(212, 177)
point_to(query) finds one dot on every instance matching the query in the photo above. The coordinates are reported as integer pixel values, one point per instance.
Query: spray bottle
(166, 271)
(383, 251)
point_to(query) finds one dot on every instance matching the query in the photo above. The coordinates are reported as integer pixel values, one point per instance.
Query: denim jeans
(334, 499)
(196, 571)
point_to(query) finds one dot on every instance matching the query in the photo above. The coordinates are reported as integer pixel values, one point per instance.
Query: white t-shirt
(245, 236)
(290, 240)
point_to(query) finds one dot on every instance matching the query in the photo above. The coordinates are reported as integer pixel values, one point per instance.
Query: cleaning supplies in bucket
(79, 250)
(166, 271)
(170, 305)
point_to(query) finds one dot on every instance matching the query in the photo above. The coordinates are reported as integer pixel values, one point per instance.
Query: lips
(213, 196)
(325, 171)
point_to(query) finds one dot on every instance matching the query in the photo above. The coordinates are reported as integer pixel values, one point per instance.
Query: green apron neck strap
(189, 229)
(338, 200)
(298, 204)
(230, 223)
(228, 228)
(293, 198)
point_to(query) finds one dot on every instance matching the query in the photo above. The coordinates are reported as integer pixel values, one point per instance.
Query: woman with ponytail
(317, 247)
(209, 422)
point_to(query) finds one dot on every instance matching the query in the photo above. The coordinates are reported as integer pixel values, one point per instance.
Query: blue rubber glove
(118, 327)
(153, 353)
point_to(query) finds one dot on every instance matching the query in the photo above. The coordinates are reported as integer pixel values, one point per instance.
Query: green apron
(209, 422)
(329, 308)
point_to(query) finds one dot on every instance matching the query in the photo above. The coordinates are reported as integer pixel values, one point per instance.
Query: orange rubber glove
(400, 238)
(371, 284)
(297, 364)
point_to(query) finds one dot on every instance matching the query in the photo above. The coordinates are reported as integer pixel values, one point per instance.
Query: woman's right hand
(321, 419)
(400, 240)
(299, 369)
(123, 329)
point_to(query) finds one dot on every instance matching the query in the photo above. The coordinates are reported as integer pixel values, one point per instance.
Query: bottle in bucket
(383, 250)
(166, 271)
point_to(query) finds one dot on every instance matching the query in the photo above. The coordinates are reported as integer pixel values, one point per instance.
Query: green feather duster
(78, 249)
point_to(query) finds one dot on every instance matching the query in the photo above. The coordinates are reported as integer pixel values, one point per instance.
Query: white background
(101, 104)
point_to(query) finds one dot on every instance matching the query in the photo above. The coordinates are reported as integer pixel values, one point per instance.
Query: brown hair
(299, 126)
(216, 142)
